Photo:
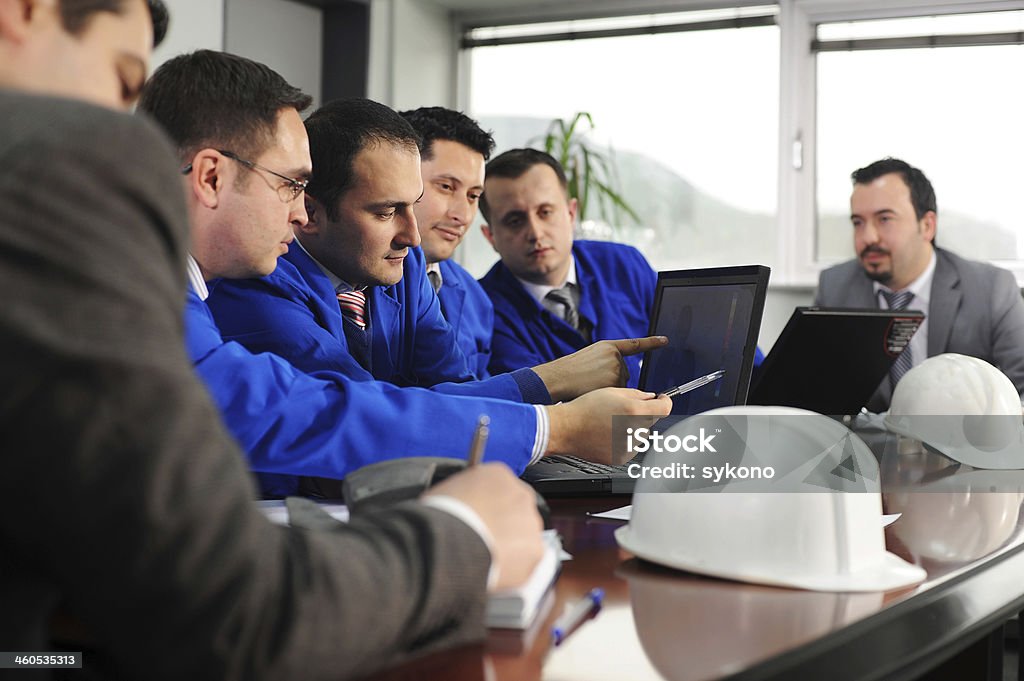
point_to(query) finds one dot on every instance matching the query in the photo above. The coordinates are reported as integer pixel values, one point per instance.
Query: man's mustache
(874, 249)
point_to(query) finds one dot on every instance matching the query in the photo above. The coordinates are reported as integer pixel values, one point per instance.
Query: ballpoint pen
(576, 613)
(695, 383)
(476, 450)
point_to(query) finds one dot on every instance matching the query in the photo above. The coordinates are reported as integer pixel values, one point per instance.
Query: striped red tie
(353, 306)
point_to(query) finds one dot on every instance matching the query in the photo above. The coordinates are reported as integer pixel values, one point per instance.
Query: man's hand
(508, 507)
(583, 427)
(599, 365)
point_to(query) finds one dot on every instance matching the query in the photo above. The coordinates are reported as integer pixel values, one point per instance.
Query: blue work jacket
(294, 313)
(327, 425)
(470, 313)
(617, 292)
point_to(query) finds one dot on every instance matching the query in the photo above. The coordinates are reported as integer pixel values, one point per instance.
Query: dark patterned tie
(903, 363)
(435, 280)
(353, 306)
(563, 297)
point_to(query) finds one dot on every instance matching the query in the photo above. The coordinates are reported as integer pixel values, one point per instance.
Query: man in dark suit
(125, 506)
(971, 308)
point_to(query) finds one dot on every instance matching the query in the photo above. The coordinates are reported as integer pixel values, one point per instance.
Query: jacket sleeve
(147, 531)
(1008, 328)
(280, 314)
(326, 424)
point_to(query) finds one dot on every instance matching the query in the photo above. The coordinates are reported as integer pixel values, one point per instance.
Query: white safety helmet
(962, 407)
(805, 535)
(958, 517)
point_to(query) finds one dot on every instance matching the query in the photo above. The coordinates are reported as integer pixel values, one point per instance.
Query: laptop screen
(712, 318)
(831, 360)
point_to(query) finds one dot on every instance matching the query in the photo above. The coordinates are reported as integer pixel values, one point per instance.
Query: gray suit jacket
(123, 500)
(975, 309)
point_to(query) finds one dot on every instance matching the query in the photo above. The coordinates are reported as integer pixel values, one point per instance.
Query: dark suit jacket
(123, 500)
(975, 309)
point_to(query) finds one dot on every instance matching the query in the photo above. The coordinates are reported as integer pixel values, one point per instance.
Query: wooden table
(663, 624)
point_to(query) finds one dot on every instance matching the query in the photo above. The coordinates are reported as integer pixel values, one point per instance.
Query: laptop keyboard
(585, 466)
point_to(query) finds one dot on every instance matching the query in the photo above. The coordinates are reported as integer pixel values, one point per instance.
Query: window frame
(796, 264)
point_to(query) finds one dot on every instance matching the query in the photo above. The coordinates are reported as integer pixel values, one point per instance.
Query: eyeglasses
(288, 192)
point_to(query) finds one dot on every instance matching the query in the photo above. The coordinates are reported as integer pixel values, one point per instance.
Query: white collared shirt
(436, 267)
(540, 291)
(922, 290)
(195, 278)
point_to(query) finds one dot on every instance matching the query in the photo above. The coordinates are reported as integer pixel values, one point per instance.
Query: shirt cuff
(531, 387)
(466, 514)
(543, 436)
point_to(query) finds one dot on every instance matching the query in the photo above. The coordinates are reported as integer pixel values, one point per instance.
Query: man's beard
(881, 277)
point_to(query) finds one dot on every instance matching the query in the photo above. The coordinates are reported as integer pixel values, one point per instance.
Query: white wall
(286, 36)
(777, 309)
(413, 46)
(195, 25)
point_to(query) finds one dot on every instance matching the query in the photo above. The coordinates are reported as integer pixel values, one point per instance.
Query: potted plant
(590, 171)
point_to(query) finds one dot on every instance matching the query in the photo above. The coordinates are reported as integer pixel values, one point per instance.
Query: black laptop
(831, 360)
(712, 317)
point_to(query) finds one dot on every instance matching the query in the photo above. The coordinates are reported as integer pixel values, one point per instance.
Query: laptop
(711, 317)
(831, 360)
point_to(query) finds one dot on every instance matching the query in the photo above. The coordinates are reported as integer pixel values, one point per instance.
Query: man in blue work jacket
(453, 150)
(553, 296)
(353, 296)
(244, 158)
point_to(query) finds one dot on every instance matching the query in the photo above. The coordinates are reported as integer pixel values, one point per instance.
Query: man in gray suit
(125, 506)
(971, 308)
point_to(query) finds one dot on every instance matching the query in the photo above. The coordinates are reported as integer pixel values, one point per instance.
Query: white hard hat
(958, 517)
(962, 407)
(817, 538)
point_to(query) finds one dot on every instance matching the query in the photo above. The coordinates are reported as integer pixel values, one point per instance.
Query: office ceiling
(487, 4)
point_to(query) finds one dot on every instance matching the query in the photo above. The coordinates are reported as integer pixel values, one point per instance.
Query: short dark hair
(438, 123)
(514, 163)
(922, 195)
(75, 14)
(338, 131)
(219, 100)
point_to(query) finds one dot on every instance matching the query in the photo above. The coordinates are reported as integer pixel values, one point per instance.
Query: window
(697, 113)
(953, 110)
(690, 117)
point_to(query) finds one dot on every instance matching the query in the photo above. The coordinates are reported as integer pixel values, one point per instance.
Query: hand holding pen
(694, 384)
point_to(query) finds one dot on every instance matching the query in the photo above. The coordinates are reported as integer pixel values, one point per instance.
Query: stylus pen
(576, 614)
(695, 383)
(476, 450)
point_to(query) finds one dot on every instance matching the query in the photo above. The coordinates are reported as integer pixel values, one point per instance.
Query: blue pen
(576, 614)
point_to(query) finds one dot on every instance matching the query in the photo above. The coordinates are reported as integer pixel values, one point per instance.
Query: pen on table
(576, 614)
(476, 450)
(695, 383)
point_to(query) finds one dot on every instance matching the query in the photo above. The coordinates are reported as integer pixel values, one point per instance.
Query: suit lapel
(453, 298)
(590, 290)
(944, 304)
(864, 292)
(385, 313)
